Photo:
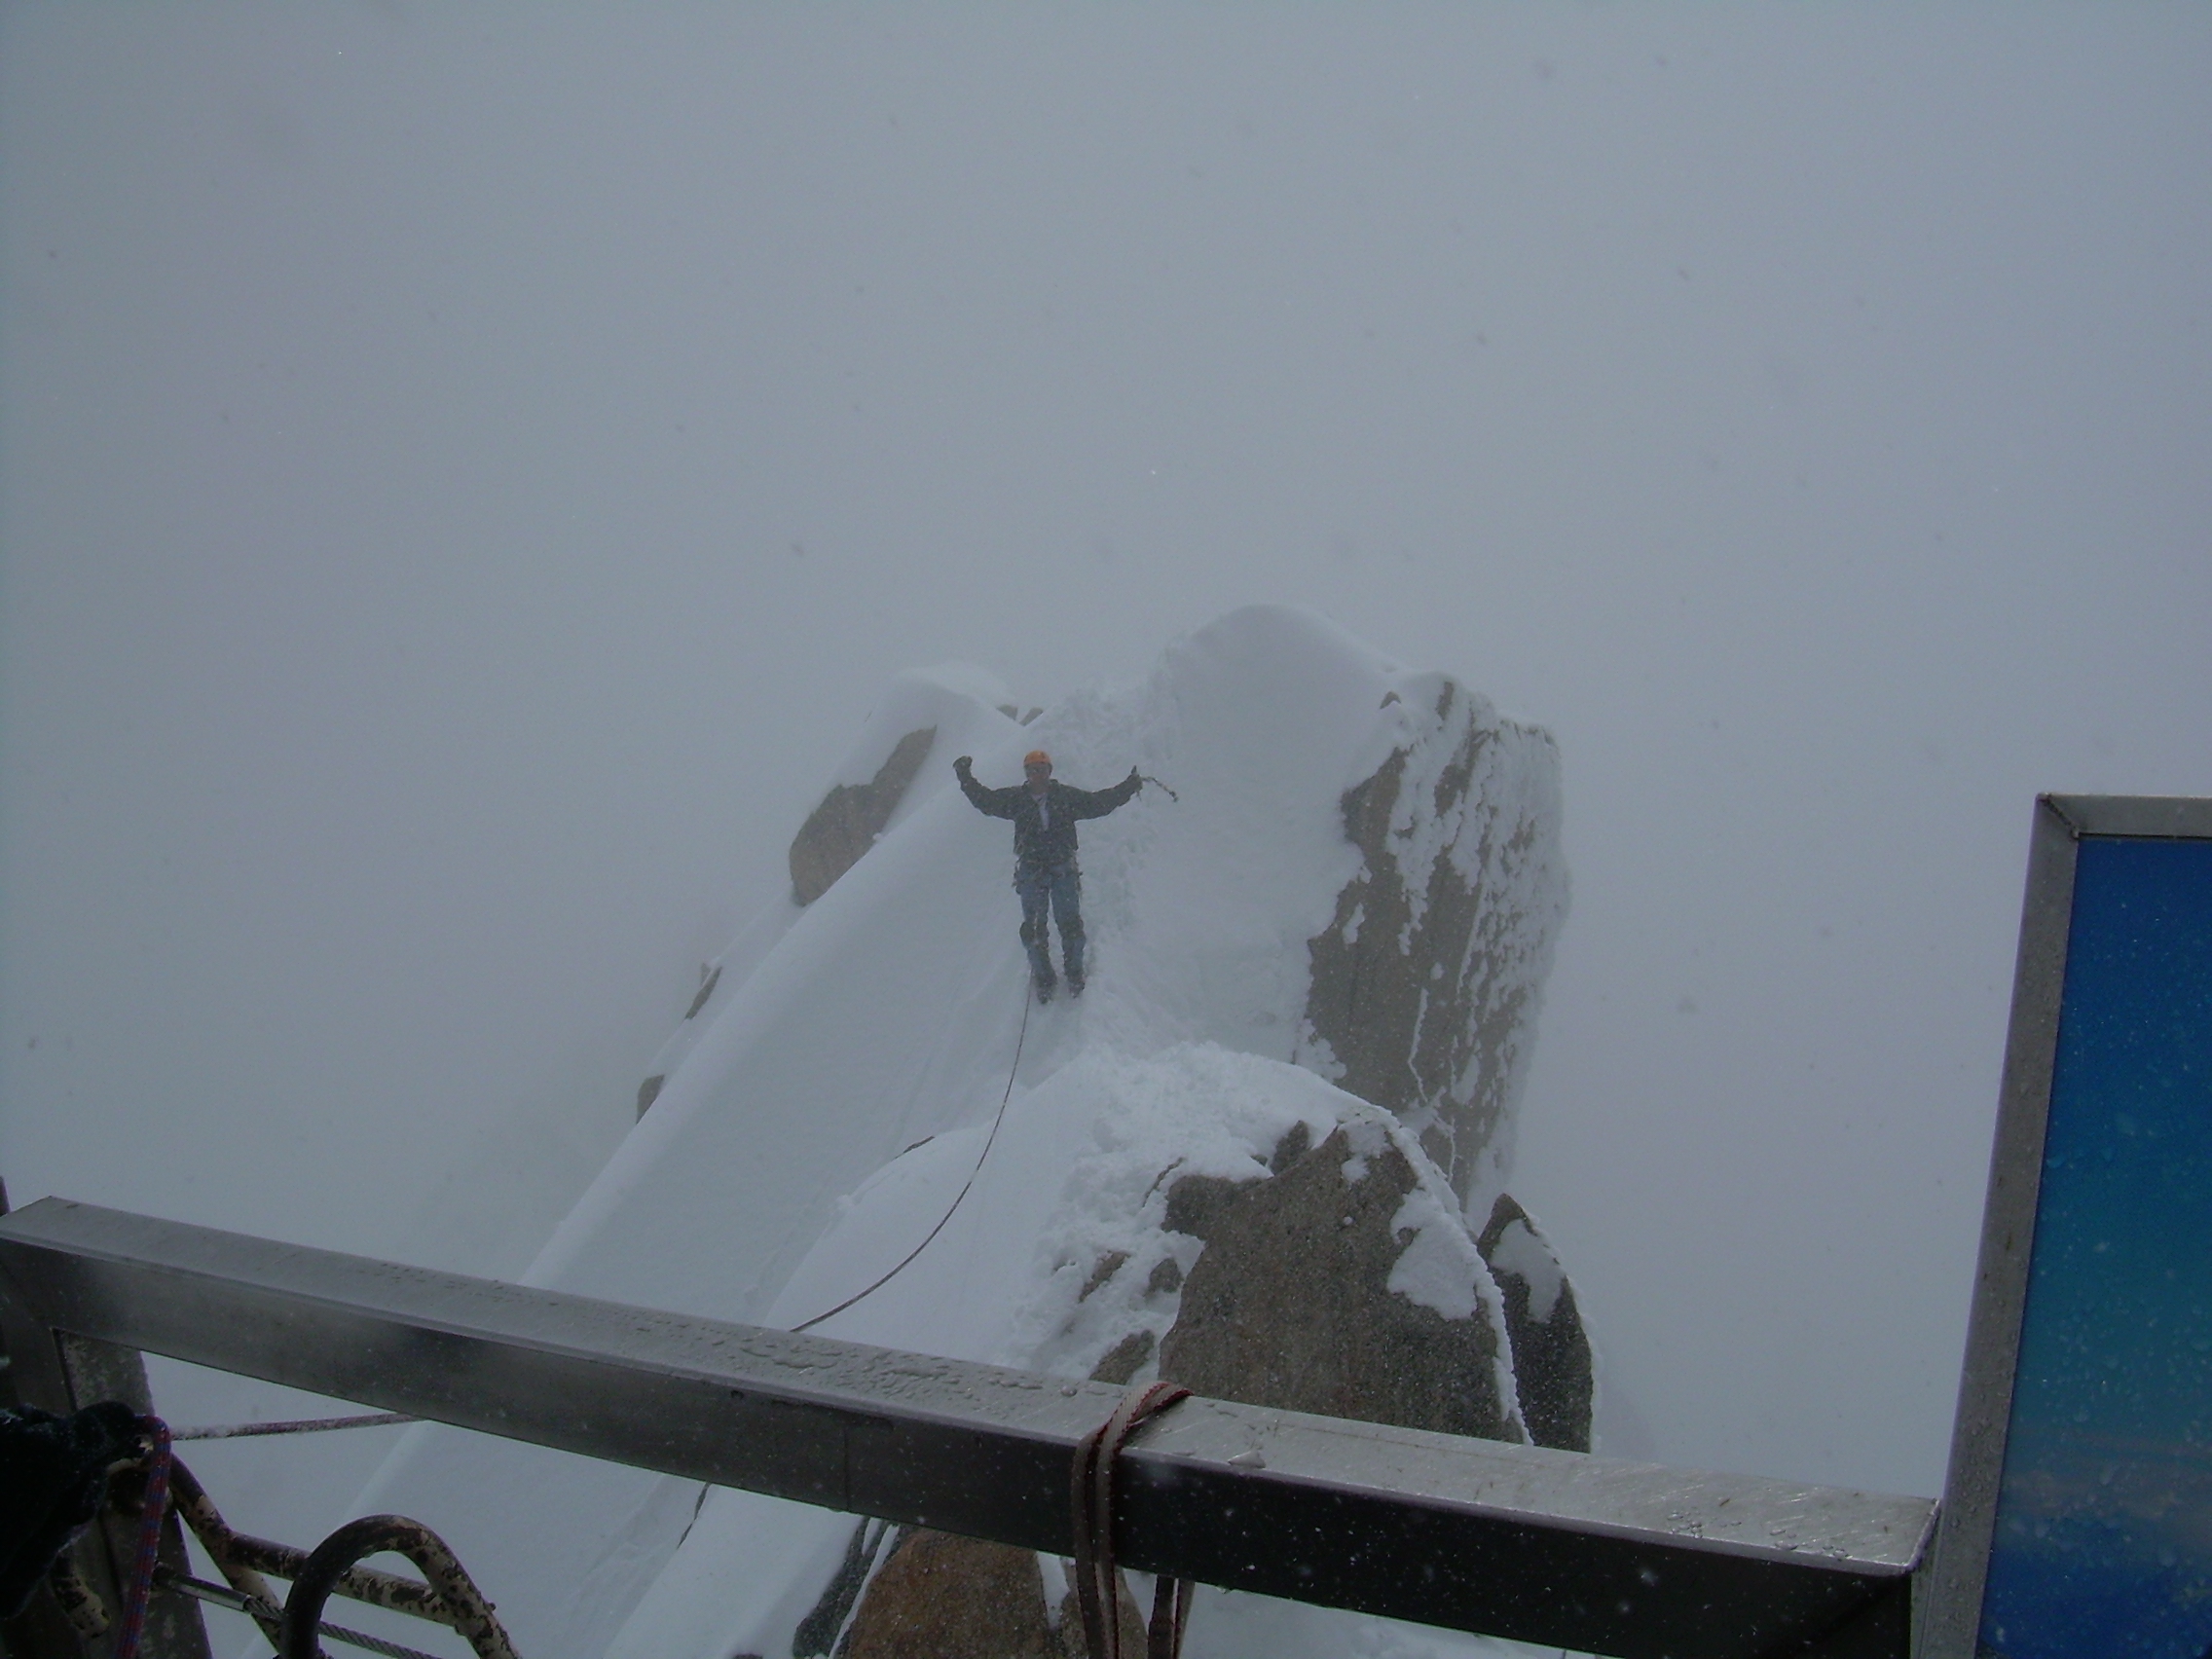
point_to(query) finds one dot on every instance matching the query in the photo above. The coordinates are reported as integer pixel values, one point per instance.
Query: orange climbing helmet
(1036, 757)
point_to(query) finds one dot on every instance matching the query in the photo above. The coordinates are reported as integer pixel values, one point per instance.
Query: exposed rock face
(649, 1090)
(943, 1596)
(1552, 1370)
(1292, 1304)
(815, 1636)
(1424, 987)
(1300, 1298)
(851, 816)
(1070, 1628)
(1124, 1360)
(940, 1597)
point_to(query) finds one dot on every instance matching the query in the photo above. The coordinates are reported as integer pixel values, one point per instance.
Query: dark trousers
(1060, 889)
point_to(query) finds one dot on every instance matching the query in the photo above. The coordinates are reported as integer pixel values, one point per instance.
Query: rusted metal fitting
(325, 1570)
(88, 1614)
(243, 1559)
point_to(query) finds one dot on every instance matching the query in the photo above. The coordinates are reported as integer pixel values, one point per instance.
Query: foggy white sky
(466, 471)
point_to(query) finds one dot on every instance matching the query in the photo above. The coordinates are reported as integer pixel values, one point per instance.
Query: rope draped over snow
(1011, 1072)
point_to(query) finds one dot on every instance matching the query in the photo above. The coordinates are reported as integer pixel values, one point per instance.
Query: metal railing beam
(1594, 1554)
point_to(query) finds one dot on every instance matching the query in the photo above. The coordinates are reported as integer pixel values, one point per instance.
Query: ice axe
(1148, 778)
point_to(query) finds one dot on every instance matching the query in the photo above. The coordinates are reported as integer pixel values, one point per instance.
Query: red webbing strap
(1097, 1581)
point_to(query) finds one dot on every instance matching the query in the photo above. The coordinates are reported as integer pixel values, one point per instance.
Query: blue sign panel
(2102, 1547)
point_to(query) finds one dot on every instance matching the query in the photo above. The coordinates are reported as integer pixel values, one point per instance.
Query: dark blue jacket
(1045, 839)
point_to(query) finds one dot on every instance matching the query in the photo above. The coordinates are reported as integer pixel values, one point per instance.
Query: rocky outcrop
(1300, 1299)
(1339, 1282)
(1424, 987)
(851, 816)
(1124, 1360)
(815, 1636)
(649, 1090)
(943, 1596)
(1553, 1374)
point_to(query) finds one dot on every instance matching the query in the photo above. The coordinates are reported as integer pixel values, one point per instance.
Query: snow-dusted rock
(932, 1595)
(939, 1594)
(852, 816)
(1554, 1374)
(1424, 984)
(1231, 1223)
(1344, 1284)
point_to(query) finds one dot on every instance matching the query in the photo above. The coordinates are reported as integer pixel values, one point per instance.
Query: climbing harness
(1098, 1581)
(1012, 1071)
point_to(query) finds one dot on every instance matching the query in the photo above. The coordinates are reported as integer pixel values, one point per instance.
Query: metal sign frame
(1949, 1616)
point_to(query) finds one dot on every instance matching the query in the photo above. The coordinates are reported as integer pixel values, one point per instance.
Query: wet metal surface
(1554, 1547)
(1952, 1588)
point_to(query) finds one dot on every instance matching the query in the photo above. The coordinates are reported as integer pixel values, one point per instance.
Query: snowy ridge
(828, 1100)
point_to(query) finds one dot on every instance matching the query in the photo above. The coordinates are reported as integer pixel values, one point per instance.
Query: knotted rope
(1098, 1581)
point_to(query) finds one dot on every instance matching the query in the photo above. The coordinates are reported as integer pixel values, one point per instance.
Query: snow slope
(827, 1105)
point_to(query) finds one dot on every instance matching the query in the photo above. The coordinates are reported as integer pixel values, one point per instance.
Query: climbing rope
(153, 1509)
(1098, 1581)
(1012, 1071)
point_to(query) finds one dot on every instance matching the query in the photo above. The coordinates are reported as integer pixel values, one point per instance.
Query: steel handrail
(1558, 1548)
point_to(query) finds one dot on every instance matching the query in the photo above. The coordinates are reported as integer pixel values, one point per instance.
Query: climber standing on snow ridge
(1044, 814)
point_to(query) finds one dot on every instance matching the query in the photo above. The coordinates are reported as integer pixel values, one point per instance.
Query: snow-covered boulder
(1343, 1283)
